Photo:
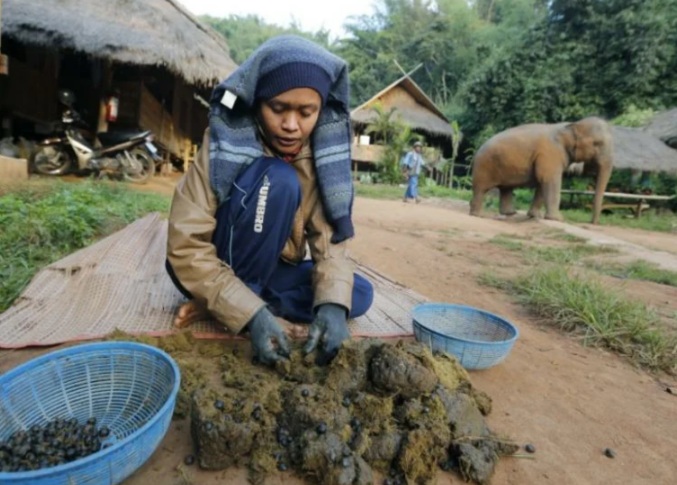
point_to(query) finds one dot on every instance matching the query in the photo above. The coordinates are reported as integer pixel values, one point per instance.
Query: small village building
(412, 107)
(153, 56)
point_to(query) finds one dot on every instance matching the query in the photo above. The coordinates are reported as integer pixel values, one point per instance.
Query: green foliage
(494, 64)
(634, 117)
(396, 137)
(245, 33)
(584, 58)
(383, 126)
(41, 226)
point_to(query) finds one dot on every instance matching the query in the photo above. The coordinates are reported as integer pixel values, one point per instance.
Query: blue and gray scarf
(233, 131)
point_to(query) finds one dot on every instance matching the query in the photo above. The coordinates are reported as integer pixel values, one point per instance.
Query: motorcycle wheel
(143, 168)
(51, 160)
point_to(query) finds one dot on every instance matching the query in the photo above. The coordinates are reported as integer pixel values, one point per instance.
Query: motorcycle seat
(110, 138)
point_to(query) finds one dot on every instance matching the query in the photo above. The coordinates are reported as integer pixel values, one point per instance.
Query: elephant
(537, 155)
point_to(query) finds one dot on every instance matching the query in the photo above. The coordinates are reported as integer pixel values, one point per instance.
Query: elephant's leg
(536, 204)
(548, 173)
(506, 206)
(477, 200)
(552, 190)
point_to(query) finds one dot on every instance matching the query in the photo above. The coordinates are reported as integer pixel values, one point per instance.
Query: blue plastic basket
(129, 387)
(477, 338)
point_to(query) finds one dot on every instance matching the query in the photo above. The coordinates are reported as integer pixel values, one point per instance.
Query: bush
(43, 223)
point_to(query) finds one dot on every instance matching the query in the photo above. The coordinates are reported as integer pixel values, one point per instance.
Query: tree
(245, 33)
(383, 126)
(395, 136)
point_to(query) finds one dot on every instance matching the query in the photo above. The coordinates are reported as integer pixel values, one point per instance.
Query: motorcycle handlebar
(72, 117)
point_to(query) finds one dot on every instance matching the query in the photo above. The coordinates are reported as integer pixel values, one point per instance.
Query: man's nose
(290, 122)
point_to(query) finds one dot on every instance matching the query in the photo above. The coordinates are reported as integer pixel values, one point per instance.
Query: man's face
(289, 118)
(418, 148)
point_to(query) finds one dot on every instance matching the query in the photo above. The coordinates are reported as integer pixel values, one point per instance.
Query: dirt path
(569, 401)
(634, 244)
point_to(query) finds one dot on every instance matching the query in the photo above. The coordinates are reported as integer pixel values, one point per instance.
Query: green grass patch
(605, 318)
(491, 280)
(648, 222)
(559, 235)
(535, 253)
(394, 192)
(640, 270)
(43, 222)
(507, 241)
(569, 254)
(379, 191)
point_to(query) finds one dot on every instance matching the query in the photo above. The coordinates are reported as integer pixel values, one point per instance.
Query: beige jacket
(213, 283)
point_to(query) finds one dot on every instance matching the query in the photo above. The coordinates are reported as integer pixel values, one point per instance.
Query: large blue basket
(477, 338)
(129, 387)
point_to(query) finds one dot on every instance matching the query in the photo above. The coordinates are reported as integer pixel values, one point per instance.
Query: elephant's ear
(569, 139)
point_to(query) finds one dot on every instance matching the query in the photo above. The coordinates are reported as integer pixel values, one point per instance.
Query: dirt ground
(569, 401)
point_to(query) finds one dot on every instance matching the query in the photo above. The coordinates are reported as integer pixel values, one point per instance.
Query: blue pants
(252, 227)
(412, 188)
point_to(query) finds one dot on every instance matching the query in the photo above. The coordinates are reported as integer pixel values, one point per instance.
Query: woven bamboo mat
(120, 283)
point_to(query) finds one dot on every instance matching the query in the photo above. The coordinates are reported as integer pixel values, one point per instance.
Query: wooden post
(103, 91)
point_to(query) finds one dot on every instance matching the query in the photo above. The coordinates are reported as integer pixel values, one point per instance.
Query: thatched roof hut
(412, 106)
(140, 32)
(638, 150)
(664, 126)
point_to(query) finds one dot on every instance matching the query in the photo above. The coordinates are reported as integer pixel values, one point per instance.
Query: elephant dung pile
(394, 408)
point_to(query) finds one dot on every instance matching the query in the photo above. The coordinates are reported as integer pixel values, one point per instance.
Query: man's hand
(189, 313)
(266, 333)
(330, 327)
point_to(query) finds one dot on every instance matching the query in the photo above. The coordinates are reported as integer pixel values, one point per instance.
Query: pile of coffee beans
(54, 443)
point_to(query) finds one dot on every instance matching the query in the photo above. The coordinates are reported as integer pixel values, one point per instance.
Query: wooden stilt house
(412, 107)
(153, 56)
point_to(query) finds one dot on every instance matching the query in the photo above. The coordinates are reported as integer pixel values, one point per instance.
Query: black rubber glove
(330, 328)
(269, 341)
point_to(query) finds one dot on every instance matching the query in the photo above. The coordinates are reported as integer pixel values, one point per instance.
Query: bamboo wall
(367, 153)
(29, 91)
(165, 126)
(173, 131)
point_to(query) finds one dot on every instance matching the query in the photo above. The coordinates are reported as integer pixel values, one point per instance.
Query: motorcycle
(132, 155)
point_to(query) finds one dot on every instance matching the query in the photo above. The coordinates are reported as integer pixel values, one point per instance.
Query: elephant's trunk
(603, 175)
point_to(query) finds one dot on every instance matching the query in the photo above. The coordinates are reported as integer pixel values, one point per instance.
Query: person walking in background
(412, 164)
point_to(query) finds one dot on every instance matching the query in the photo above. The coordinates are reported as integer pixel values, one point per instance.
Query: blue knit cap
(294, 75)
(280, 64)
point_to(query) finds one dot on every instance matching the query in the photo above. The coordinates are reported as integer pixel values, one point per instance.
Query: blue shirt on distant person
(412, 164)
